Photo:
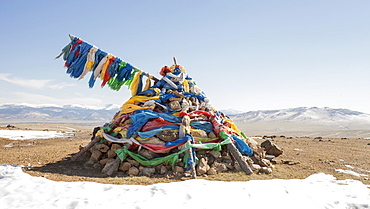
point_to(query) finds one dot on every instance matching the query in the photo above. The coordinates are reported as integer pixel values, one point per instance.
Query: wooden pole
(114, 166)
(193, 170)
(153, 78)
(174, 60)
(186, 129)
(238, 156)
(87, 147)
(233, 150)
(71, 37)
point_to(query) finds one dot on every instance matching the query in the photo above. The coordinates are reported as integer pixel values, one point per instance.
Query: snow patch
(350, 172)
(20, 190)
(24, 135)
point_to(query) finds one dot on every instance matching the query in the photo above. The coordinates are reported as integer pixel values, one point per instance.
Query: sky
(20, 190)
(244, 54)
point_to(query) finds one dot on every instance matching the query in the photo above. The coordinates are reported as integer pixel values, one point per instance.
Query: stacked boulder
(157, 131)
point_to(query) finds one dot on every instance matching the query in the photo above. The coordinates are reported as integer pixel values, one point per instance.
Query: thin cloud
(34, 83)
(61, 86)
(29, 83)
(31, 98)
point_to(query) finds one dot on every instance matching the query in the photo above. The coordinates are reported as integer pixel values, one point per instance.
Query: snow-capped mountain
(302, 114)
(299, 120)
(302, 119)
(54, 113)
(231, 111)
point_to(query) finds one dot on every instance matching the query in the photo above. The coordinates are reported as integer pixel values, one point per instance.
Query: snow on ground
(360, 169)
(351, 172)
(25, 134)
(20, 190)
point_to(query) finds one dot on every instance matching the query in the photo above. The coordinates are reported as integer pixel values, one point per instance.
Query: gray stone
(212, 171)
(175, 105)
(187, 174)
(270, 157)
(255, 167)
(115, 147)
(212, 135)
(203, 167)
(111, 153)
(148, 171)
(258, 160)
(226, 157)
(265, 170)
(153, 140)
(229, 166)
(168, 135)
(97, 166)
(210, 159)
(95, 155)
(199, 133)
(107, 166)
(271, 148)
(105, 161)
(227, 161)
(273, 161)
(89, 163)
(290, 162)
(125, 166)
(220, 167)
(147, 154)
(249, 161)
(179, 169)
(215, 154)
(261, 152)
(266, 162)
(133, 162)
(163, 170)
(194, 101)
(102, 147)
(175, 99)
(127, 122)
(253, 144)
(133, 171)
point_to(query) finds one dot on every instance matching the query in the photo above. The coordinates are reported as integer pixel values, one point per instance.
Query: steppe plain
(302, 157)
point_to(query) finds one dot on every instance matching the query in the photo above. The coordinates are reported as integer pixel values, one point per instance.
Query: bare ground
(302, 157)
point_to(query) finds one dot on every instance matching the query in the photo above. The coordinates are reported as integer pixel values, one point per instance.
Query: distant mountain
(303, 119)
(231, 112)
(297, 121)
(55, 113)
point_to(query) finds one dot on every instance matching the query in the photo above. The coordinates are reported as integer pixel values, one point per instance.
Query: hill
(301, 121)
(71, 114)
(305, 121)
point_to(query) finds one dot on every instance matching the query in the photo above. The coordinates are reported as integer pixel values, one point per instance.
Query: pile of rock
(172, 129)
(103, 156)
(166, 126)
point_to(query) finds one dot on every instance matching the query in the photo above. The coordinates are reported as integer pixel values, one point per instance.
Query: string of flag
(82, 58)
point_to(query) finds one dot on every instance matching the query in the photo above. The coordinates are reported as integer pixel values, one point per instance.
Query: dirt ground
(50, 158)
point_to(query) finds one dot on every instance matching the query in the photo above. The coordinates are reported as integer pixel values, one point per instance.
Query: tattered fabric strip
(171, 159)
(81, 58)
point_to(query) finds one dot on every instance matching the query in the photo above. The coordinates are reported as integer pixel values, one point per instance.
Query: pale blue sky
(244, 54)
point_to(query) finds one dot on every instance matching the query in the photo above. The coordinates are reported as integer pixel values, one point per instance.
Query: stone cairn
(172, 129)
